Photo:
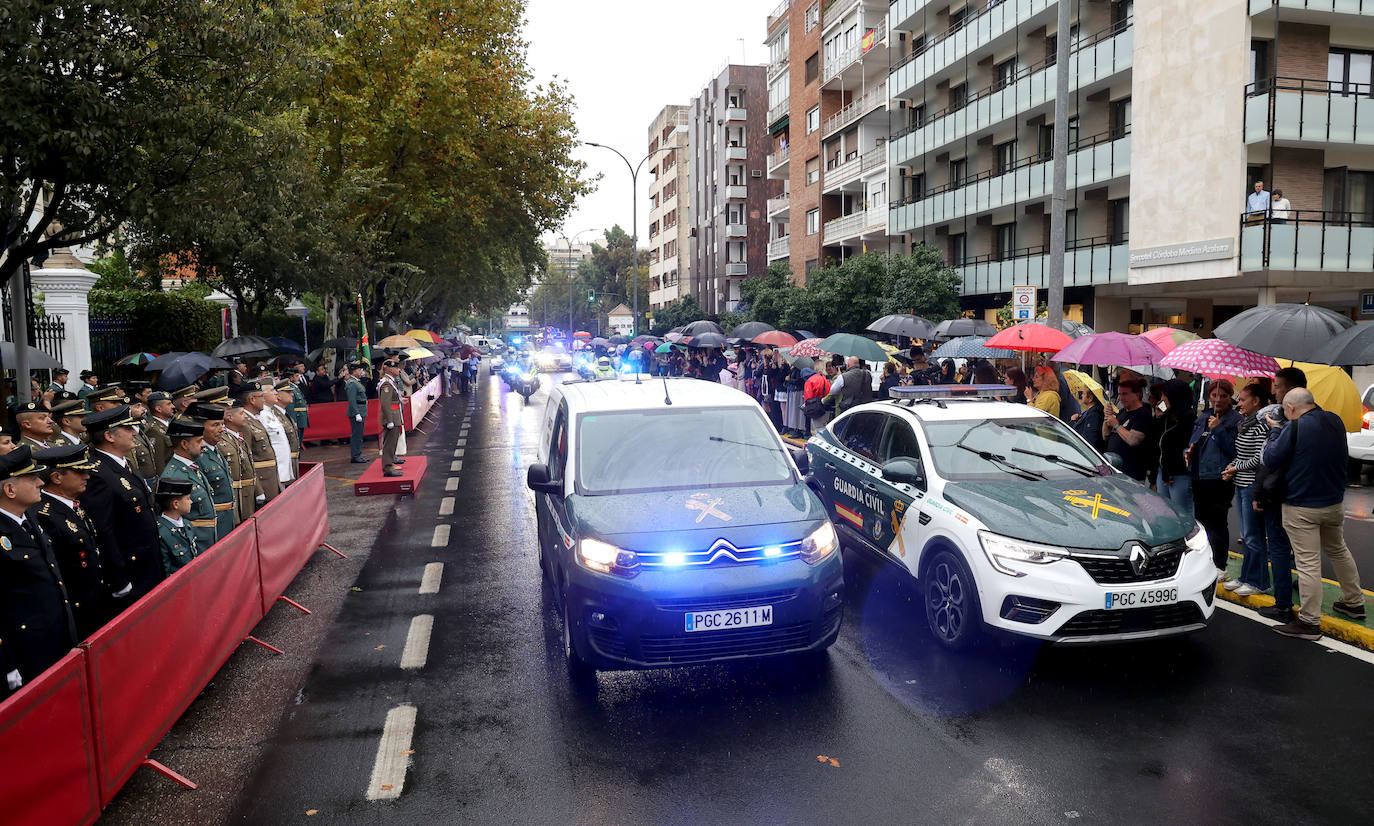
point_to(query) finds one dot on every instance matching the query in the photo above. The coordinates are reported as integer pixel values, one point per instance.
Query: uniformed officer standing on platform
(177, 542)
(234, 448)
(188, 442)
(89, 382)
(356, 410)
(392, 419)
(120, 502)
(215, 466)
(160, 415)
(250, 397)
(300, 411)
(142, 457)
(36, 625)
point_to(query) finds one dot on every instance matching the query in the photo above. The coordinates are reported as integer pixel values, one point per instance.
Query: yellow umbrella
(891, 350)
(1080, 381)
(398, 341)
(420, 353)
(1334, 391)
(424, 336)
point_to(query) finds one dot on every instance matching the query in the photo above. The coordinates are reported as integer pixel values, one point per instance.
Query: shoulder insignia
(46, 509)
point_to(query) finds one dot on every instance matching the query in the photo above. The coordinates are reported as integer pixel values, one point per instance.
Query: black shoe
(358, 461)
(400, 461)
(1355, 612)
(392, 473)
(1300, 630)
(1276, 613)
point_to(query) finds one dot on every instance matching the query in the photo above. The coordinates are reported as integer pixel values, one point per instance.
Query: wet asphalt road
(1235, 724)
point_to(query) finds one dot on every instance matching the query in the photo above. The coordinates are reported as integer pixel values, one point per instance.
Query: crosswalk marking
(452, 484)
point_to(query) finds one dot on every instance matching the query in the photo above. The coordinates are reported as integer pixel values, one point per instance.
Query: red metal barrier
(146, 666)
(47, 750)
(330, 421)
(290, 529)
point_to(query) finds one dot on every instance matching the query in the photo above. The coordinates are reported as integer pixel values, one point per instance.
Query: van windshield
(646, 450)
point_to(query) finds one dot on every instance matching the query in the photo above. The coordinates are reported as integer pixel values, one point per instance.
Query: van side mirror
(803, 461)
(1115, 460)
(537, 479)
(904, 471)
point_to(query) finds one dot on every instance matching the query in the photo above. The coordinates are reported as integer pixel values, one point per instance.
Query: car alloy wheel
(579, 671)
(951, 603)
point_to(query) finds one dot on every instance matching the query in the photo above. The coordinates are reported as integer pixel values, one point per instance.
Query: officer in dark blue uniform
(120, 502)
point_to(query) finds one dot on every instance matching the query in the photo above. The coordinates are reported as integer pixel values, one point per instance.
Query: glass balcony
(949, 47)
(1090, 261)
(1096, 58)
(852, 55)
(1308, 241)
(855, 224)
(1352, 7)
(1092, 161)
(903, 13)
(1295, 109)
(870, 101)
(778, 248)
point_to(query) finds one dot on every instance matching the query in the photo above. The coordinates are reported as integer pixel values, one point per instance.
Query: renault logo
(1140, 559)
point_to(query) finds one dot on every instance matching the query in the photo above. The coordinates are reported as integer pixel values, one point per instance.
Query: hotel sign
(1183, 253)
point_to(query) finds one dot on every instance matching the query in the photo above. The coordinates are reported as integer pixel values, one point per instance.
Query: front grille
(1162, 564)
(1092, 623)
(721, 554)
(608, 642)
(725, 603)
(680, 649)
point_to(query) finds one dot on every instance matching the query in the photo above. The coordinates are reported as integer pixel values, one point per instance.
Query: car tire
(951, 603)
(580, 672)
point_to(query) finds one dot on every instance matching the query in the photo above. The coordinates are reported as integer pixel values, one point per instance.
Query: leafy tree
(767, 299)
(677, 314)
(1006, 317)
(922, 284)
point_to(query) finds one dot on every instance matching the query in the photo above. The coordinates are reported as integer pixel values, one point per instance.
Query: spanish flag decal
(849, 516)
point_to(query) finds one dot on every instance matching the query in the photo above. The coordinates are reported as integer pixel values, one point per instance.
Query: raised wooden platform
(373, 483)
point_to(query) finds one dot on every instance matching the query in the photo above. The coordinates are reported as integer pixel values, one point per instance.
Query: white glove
(358, 417)
(14, 680)
(124, 592)
(260, 498)
(390, 425)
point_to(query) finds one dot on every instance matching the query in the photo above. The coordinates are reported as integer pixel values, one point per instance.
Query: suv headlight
(1001, 549)
(1197, 539)
(606, 558)
(820, 544)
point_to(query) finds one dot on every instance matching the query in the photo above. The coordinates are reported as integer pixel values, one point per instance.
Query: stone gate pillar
(64, 282)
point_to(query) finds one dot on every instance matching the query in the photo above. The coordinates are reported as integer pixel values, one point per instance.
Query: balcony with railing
(736, 269)
(1298, 110)
(855, 224)
(1087, 262)
(869, 48)
(1353, 9)
(736, 192)
(1093, 161)
(1096, 58)
(779, 111)
(736, 230)
(854, 168)
(873, 100)
(736, 114)
(778, 14)
(777, 163)
(779, 247)
(1308, 241)
(902, 13)
(979, 31)
(778, 207)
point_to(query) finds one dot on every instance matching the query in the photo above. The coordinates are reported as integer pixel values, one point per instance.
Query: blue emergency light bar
(952, 391)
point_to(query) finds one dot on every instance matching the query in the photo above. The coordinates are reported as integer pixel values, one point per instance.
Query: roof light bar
(952, 391)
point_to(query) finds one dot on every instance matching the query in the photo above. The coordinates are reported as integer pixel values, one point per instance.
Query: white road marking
(389, 769)
(1326, 642)
(458, 453)
(446, 506)
(455, 466)
(416, 652)
(429, 582)
(461, 442)
(452, 484)
(440, 539)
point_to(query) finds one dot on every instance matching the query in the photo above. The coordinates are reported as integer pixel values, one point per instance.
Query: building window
(777, 50)
(813, 17)
(813, 68)
(812, 265)
(958, 96)
(917, 116)
(813, 221)
(958, 171)
(1006, 241)
(1004, 73)
(1349, 194)
(1122, 10)
(958, 249)
(1349, 71)
(813, 170)
(956, 19)
(1259, 64)
(1121, 220)
(1006, 157)
(1121, 117)
(813, 119)
(779, 89)
(914, 187)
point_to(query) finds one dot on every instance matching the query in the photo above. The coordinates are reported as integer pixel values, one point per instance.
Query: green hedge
(163, 321)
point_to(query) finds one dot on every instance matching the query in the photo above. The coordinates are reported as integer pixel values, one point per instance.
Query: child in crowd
(173, 498)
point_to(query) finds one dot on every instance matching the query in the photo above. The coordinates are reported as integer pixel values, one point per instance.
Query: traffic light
(591, 296)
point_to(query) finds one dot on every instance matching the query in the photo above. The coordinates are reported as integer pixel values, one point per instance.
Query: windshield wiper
(1059, 460)
(1010, 467)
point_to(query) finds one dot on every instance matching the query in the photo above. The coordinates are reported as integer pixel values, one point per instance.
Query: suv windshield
(668, 449)
(1015, 448)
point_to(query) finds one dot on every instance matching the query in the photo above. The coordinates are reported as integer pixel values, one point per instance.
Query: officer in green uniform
(215, 466)
(89, 383)
(188, 442)
(160, 415)
(300, 411)
(356, 395)
(175, 536)
(59, 380)
(183, 399)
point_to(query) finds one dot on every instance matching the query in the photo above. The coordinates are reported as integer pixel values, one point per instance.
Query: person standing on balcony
(1257, 202)
(1279, 208)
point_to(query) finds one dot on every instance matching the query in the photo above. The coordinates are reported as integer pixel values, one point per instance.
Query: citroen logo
(1140, 559)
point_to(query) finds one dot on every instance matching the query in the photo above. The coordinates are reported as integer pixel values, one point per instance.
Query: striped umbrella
(970, 347)
(1215, 358)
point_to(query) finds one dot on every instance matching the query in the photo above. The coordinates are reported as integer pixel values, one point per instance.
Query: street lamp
(299, 310)
(634, 222)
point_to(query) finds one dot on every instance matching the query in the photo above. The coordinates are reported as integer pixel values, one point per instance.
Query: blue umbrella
(286, 345)
(970, 347)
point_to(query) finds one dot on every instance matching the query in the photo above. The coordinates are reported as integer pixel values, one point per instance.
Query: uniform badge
(125, 483)
(6, 543)
(71, 526)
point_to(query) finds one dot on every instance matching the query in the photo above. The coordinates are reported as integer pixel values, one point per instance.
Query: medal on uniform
(71, 526)
(6, 543)
(125, 483)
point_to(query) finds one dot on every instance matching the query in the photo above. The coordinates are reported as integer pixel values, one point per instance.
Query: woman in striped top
(1257, 527)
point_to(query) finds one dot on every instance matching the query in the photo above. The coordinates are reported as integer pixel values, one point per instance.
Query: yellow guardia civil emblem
(897, 515)
(1096, 504)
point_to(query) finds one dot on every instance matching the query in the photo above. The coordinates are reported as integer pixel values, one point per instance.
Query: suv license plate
(724, 620)
(1145, 598)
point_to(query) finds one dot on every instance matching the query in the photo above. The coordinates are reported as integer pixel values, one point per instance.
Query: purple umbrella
(1110, 349)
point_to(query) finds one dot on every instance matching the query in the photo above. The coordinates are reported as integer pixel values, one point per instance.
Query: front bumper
(1062, 604)
(620, 623)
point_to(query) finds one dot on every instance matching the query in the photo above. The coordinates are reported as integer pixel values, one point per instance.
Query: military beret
(185, 428)
(209, 412)
(172, 487)
(65, 457)
(159, 396)
(18, 462)
(185, 392)
(117, 416)
(75, 407)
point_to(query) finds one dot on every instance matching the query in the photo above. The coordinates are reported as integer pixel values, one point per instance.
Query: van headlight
(1003, 549)
(1197, 539)
(820, 544)
(606, 558)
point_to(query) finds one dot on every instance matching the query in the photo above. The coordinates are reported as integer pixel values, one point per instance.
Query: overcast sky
(624, 61)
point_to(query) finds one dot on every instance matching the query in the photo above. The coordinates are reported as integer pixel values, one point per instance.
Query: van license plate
(725, 620)
(1145, 598)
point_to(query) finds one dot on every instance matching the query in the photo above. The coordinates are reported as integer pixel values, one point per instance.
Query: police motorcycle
(604, 369)
(522, 376)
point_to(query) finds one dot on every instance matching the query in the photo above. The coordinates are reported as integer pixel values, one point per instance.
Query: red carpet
(373, 483)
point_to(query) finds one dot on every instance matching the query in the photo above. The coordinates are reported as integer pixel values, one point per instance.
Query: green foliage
(681, 312)
(1006, 317)
(163, 321)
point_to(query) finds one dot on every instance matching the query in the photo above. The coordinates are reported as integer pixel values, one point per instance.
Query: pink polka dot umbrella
(1214, 358)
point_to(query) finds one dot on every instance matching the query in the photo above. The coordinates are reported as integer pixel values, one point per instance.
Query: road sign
(1367, 303)
(1022, 304)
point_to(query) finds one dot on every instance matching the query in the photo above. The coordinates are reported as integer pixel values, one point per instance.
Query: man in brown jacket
(389, 401)
(259, 444)
(235, 448)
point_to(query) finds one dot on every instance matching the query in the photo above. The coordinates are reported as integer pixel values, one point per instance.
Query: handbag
(1271, 484)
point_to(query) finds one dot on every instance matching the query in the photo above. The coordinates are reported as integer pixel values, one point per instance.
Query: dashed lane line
(451, 485)
(458, 453)
(1325, 642)
(461, 443)
(416, 652)
(440, 539)
(455, 466)
(446, 506)
(429, 581)
(389, 769)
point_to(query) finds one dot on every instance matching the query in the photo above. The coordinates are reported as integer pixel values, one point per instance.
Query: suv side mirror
(537, 479)
(904, 471)
(1115, 460)
(803, 461)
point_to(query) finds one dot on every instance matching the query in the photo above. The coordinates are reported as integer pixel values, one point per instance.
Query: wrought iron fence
(46, 333)
(111, 340)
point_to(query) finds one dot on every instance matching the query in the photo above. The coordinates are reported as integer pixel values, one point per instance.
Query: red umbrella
(775, 338)
(582, 334)
(1030, 337)
(807, 347)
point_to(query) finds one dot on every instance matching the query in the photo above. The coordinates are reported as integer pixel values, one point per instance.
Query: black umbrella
(340, 343)
(599, 342)
(163, 361)
(187, 369)
(618, 340)
(960, 327)
(241, 346)
(801, 335)
(1071, 328)
(707, 340)
(1354, 346)
(286, 345)
(903, 324)
(749, 329)
(1290, 331)
(698, 327)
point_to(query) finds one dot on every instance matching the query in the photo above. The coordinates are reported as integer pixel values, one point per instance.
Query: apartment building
(1224, 93)
(730, 193)
(564, 257)
(669, 220)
